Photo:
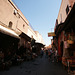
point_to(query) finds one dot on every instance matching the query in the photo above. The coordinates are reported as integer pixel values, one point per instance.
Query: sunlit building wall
(65, 8)
(31, 33)
(12, 17)
(39, 38)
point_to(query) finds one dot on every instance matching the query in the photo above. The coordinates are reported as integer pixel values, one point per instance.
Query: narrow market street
(39, 66)
(37, 37)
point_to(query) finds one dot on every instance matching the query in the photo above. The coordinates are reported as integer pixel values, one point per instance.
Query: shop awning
(59, 28)
(9, 32)
(51, 34)
(40, 44)
(25, 36)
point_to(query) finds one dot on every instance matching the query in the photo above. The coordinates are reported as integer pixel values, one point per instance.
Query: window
(67, 9)
(23, 26)
(10, 24)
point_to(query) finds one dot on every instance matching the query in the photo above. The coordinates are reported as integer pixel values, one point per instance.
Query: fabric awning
(9, 32)
(58, 29)
(40, 44)
(25, 36)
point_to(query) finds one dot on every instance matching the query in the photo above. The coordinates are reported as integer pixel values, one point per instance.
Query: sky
(41, 14)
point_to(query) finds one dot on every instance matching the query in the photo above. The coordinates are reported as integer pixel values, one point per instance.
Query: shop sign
(51, 34)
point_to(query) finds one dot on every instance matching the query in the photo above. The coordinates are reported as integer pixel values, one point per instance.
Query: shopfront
(8, 44)
(68, 58)
(8, 40)
(59, 38)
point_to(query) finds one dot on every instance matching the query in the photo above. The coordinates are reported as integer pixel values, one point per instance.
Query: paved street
(41, 66)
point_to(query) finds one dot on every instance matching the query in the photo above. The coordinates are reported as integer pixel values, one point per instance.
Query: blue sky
(41, 14)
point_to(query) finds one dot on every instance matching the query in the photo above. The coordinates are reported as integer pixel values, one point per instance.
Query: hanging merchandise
(70, 40)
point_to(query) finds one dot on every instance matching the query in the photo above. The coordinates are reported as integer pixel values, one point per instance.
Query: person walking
(41, 52)
(49, 55)
(46, 53)
(56, 55)
(53, 54)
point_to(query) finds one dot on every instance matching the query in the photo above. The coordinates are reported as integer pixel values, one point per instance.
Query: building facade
(13, 18)
(65, 30)
(15, 30)
(65, 8)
